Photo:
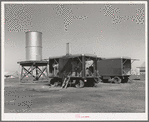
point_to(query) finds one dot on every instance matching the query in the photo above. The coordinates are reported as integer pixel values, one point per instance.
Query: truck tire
(79, 84)
(117, 80)
(125, 80)
(52, 81)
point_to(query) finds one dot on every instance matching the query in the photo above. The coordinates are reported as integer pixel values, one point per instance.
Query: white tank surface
(33, 46)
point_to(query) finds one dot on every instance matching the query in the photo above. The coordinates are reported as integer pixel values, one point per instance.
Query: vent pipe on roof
(67, 48)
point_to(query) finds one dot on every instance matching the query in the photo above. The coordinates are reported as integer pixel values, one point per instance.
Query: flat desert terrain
(104, 98)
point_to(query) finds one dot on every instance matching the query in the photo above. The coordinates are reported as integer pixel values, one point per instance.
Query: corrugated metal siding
(33, 46)
(33, 53)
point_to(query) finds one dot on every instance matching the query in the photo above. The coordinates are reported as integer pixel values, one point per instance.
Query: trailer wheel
(117, 80)
(79, 84)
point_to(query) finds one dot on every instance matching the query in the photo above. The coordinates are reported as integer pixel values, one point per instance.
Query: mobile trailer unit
(115, 69)
(77, 67)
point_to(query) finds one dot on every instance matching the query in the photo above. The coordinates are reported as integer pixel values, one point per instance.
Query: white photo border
(71, 116)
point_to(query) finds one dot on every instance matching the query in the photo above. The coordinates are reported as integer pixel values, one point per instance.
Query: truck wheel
(56, 83)
(79, 84)
(125, 80)
(117, 80)
(52, 81)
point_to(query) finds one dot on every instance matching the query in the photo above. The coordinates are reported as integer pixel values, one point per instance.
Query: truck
(81, 68)
(88, 69)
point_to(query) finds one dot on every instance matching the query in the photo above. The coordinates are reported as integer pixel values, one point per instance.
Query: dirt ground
(105, 98)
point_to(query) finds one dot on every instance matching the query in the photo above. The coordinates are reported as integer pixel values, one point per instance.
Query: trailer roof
(74, 55)
(34, 61)
(117, 58)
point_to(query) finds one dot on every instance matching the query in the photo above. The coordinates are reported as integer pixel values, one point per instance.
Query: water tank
(33, 46)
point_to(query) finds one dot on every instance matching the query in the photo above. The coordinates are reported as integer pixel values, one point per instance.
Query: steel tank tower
(34, 62)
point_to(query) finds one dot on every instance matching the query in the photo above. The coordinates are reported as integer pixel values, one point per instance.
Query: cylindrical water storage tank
(33, 46)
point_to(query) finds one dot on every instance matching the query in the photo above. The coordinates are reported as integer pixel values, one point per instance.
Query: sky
(107, 30)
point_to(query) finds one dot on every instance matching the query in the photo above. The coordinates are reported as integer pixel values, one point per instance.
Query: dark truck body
(114, 67)
(75, 65)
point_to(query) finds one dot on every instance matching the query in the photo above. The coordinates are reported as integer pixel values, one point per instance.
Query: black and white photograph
(74, 60)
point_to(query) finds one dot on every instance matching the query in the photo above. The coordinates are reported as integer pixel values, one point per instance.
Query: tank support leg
(37, 73)
(21, 73)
